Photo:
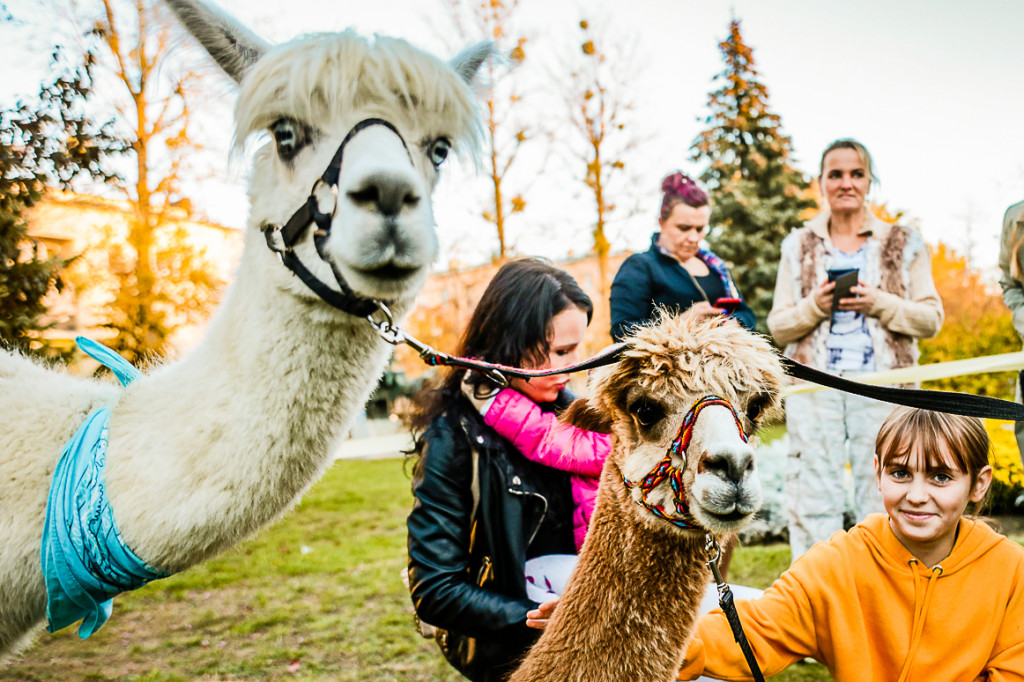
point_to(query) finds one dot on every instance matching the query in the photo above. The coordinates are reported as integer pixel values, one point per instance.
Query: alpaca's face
(662, 383)
(305, 98)
(382, 235)
(720, 489)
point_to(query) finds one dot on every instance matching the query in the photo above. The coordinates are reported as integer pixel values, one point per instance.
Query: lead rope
(949, 402)
(728, 604)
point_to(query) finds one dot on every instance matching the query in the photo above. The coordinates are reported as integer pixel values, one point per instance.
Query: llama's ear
(234, 47)
(583, 415)
(469, 61)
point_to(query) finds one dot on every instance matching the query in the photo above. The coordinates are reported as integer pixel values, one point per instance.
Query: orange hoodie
(866, 608)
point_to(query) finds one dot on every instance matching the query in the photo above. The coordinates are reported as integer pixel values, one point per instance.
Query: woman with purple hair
(676, 273)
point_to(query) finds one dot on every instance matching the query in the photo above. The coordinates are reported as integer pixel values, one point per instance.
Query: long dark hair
(511, 325)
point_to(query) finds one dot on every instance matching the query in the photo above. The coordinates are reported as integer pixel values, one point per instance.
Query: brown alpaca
(632, 602)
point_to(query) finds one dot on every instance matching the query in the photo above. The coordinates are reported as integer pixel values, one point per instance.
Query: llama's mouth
(389, 271)
(732, 517)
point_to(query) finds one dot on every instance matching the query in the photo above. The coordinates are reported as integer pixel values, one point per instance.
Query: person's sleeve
(545, 440)
(778, 625)
(744, 315)
(920, 314)
(442, 589)
(791, 319)
(630, 299)
(1007, 662)
(1013, 290)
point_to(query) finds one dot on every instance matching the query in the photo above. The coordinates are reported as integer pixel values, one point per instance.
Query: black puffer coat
(466, 577)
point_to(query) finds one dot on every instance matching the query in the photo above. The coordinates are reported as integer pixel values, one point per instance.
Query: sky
(933, 88)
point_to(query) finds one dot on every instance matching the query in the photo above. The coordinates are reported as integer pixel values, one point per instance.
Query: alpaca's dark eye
(646, 413)
(290, 136)
(439, 149)
(756, 407)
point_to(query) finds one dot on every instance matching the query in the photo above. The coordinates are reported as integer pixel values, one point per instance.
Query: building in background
(90, 229)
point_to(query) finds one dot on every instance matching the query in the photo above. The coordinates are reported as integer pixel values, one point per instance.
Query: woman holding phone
(676, 273)
(845, 324)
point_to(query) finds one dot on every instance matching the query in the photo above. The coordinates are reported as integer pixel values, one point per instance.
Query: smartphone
(729, 305)
(844, 279)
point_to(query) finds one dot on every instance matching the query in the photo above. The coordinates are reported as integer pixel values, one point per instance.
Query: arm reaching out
(545, 440)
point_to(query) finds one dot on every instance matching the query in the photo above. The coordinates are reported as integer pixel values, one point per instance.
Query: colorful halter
(664, 469)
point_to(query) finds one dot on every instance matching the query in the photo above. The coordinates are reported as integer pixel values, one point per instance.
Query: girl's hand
(823, 296)
(539, 617)
(863, 301)
(705, 309)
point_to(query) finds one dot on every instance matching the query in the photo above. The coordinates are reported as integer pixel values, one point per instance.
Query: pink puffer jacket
(543, 439)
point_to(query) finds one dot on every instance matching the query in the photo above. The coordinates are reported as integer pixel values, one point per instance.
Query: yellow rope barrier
(1005, 362)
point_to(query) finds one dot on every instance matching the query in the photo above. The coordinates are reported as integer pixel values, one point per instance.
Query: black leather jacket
(467, 578)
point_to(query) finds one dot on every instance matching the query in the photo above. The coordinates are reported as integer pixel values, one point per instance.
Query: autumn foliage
(977, 324)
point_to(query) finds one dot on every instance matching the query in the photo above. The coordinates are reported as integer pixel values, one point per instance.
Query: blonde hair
(1016, 241)
(862, 152)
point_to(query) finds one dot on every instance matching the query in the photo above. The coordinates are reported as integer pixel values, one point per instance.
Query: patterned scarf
(85, 562)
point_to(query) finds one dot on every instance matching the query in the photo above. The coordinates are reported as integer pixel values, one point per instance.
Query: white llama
(205, 451)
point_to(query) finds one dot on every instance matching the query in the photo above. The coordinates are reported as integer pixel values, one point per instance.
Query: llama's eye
(290, 136)
(646, 413)
(439, 151)
(756, 407)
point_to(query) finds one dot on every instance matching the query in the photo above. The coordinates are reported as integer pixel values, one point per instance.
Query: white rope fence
(1005, 362)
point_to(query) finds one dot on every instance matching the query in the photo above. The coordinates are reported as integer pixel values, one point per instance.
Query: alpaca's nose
(731, 464)
(387, 193)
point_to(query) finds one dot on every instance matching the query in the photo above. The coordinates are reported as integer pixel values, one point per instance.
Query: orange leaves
(977, 324)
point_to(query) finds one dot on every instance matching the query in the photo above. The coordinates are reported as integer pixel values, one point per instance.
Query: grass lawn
(317, 596)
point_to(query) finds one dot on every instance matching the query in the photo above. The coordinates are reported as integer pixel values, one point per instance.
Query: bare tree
(506, 132)
(161, 285)
(600, 110)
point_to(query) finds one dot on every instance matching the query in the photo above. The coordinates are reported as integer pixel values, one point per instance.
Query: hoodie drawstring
(920, 612)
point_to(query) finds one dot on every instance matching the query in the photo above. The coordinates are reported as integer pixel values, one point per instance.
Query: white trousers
(828, 429)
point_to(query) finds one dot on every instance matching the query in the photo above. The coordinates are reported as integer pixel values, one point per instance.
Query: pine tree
(757, 195)
(46, 143)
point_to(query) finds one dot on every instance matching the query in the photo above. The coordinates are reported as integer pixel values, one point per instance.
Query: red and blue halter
(664, 469)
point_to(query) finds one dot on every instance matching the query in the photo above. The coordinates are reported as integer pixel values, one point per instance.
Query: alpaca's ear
(469, 61)
(583, 415)
(234, 47)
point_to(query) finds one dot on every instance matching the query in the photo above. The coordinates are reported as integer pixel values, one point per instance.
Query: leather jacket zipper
(543, 512)
(484, 573)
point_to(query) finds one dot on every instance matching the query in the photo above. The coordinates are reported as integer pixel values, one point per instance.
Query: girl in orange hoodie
(921, 593)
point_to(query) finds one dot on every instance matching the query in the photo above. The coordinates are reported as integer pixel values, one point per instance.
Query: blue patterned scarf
(717, 266)
(85, 561)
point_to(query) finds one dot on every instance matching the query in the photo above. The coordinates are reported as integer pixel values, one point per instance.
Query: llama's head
(681, 402)
(310, 95)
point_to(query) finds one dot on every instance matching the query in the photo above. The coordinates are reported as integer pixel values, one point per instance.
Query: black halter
(282, 239)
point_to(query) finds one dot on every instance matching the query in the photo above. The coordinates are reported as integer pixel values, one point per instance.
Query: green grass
(317, 596)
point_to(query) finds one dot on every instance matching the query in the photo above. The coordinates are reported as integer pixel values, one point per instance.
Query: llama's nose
(386, 193)
(732, 464)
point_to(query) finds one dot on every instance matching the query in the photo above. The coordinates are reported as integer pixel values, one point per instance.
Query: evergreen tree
(46, 143)
(758, 197)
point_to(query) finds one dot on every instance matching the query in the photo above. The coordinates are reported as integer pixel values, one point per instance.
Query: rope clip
(386, 327)
(714, 551)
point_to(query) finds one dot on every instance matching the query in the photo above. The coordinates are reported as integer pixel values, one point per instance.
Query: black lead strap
(728, 604)
(950, 402)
